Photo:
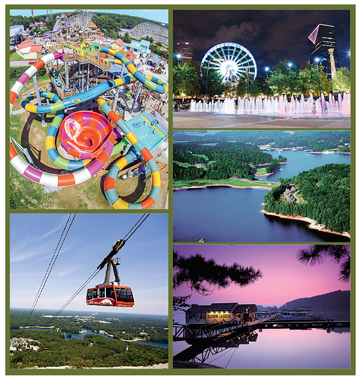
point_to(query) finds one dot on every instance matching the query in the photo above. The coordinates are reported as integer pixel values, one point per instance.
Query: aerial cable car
(111, 294)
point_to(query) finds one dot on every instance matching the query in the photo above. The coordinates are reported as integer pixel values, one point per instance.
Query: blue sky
(144, 259)
(160, 15)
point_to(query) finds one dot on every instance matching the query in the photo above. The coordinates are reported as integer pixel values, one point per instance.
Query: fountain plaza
(267, 113)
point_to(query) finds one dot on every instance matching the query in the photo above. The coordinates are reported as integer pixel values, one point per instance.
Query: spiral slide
(109, 185)
(86, 135)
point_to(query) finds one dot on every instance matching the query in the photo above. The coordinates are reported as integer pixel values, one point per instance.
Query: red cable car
(110, 295)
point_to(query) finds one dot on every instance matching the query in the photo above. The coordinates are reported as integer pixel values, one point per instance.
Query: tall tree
(204, 276)
(342, 81)
(339, 253)
(313, 79)
(247, 87)
(284, 80)
(186, 75)
(212, 83)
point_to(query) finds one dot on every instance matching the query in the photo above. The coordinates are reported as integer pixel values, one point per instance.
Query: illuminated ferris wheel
(230, 60)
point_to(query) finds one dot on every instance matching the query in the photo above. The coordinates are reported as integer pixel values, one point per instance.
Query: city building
(185, 49)
(322, 47)
(220, 312)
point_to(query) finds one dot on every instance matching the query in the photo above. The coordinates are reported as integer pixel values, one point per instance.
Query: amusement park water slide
(63, 180)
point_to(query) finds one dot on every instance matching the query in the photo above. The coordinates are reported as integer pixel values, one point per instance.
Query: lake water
(299, 161)
(285, 349)
(224, 214)
(80, 336)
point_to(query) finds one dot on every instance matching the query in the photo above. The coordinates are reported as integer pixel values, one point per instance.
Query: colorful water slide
(150, 82)
(93, 130)
(109, 184)
(90, 94)
(31, 71)
(89, 163)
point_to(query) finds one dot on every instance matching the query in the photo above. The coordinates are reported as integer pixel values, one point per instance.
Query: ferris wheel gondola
(231, 61)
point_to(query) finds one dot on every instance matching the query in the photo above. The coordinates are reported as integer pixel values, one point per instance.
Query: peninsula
(320, 197)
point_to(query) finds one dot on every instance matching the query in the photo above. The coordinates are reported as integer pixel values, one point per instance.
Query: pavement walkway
(198, 120)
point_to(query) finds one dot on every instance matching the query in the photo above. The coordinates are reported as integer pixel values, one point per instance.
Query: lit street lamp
(290, 65)
(178, 56)
(267, 69)
(207, 79)
(318, 60)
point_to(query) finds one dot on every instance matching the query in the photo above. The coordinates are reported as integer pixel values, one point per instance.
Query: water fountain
(279, 107)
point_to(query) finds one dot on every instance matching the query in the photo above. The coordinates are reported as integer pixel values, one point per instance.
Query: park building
(16, 30)
(158, 32)
(322, 46)
(138, 47)
(220, 313)
(28, 50)
(185, 49)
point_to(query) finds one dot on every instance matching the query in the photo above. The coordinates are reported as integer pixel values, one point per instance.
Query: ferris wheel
(230, 60)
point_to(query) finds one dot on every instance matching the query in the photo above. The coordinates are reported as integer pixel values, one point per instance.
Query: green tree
(254, 90)
(215, 85)
(308, 80)
(342, 81)
(186, 75)
(126, 38)
(263, 86)
(282, 80)
(242, 87)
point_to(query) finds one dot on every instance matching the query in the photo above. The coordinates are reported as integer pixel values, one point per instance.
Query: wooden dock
(201, 337)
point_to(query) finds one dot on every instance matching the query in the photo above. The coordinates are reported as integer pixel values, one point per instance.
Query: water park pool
(150, 133)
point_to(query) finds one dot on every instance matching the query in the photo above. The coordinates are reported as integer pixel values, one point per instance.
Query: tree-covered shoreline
(224, 160)
(314, 140)
(321, 194)
(127, 327)
(43, 348)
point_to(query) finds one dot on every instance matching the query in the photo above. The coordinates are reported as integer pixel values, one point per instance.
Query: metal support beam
(38, 97)
(87, 78)
(117, 93)
(136, 96)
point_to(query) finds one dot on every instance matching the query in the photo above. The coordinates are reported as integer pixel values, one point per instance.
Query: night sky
(270, 35)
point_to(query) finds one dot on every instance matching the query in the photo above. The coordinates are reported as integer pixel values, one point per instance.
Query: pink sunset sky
(284, 277)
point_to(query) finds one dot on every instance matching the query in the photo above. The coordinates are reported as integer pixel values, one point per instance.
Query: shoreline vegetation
(156, 366)
(242, 183)
(312, 223)
(136, 339)
(261, 166)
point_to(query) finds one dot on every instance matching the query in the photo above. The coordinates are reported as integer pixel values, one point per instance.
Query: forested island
(313, 140)
(321, 195)
(220, 161)
(55, 347)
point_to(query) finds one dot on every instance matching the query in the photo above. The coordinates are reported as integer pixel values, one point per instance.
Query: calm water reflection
(284, 349)
(223, 214)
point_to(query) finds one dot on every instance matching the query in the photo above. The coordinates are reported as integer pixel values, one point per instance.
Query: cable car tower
(111, 293)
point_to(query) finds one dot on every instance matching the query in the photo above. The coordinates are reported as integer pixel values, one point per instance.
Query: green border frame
(170, 371)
